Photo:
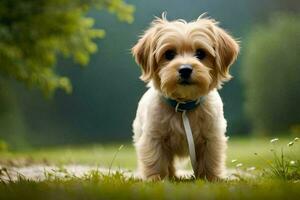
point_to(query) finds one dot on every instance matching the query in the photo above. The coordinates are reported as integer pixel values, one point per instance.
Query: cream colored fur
(159, 136)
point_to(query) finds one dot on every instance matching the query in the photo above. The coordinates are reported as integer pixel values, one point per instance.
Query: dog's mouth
(185, 82)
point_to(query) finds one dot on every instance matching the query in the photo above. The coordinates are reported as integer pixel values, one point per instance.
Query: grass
(243, 150)
(117, 187)
(276, 176)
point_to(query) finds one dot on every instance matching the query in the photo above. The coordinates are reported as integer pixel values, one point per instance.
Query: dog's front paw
(154, 178)
(213, 178)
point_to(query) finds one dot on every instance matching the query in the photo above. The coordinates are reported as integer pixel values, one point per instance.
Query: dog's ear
(143, 50)
(227, 50)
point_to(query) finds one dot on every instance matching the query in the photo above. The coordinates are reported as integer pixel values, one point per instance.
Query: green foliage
(271, 74)
(3, 145)
(34, 33)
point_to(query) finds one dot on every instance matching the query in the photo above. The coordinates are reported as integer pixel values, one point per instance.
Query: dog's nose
(185, 71)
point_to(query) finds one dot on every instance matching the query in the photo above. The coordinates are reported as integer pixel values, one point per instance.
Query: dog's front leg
(152, 159)
(211, 158)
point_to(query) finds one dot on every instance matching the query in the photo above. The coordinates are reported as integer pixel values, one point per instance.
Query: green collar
(185, 105)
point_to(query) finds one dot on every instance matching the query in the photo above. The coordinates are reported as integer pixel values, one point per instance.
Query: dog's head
(185, 60)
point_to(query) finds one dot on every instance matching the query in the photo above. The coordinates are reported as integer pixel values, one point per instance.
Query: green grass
(99, 155)
(117, 187)
(274, 178)
(241, 149)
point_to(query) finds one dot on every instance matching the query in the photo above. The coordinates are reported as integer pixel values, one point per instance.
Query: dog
(182, 62)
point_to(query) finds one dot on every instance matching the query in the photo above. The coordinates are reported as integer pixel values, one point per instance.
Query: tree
(33, 34)
(271, 74)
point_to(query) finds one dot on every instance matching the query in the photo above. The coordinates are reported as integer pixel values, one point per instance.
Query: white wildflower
(292, 162)
(274, 140)
(234, 160)
(290, 144)
(251, 168)
(239, 165)
(296, 139)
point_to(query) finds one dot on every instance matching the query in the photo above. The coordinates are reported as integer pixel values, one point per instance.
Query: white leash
(190, 139)
(184, 107)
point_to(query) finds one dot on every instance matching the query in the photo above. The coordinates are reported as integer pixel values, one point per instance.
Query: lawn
(246, 153)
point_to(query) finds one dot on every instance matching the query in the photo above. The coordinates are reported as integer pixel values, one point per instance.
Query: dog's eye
(200, 54)
(170, 54)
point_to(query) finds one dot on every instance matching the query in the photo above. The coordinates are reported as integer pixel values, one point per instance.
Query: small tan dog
(183, 63)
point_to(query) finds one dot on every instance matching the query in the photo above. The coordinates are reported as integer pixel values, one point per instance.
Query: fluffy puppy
(182, 61)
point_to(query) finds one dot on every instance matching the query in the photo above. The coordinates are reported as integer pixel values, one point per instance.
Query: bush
(271, 74)
(33, 34)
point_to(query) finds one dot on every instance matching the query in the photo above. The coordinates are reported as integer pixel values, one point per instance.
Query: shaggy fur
(159, 135)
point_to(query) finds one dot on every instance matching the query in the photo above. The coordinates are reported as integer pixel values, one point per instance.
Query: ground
(108, 172)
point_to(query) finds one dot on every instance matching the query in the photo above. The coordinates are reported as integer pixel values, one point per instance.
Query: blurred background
(67, 76)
